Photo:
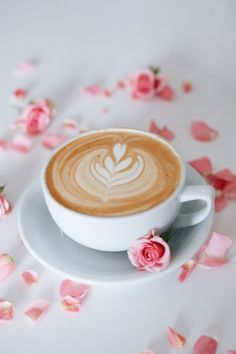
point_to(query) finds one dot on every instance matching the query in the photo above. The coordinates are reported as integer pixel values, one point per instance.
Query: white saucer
(64, 256)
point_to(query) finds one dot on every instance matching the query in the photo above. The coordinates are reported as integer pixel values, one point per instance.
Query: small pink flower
(5, 206)
(7, 311)
(7, 266)
(150, 253)
(37, 116)
(142, 84)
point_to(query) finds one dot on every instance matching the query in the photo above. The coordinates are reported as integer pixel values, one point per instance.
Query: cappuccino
(113, 172)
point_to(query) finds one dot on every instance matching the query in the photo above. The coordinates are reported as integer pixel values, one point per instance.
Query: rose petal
(92, 90)
(202, 132)
(21, 143)
(4, 145)
(230, 190)
(163, 132)
(202, 165)
(7, 266)
(37, 309)
(70, 303)
(30, 277)
(120, 85)
(52, 140)
(69, 287)
(175, 338)
(167, 94)
(213, 253)
(7, 311)
(187, 86)
(205, 345)
(5, 206)
(25, 68)
(231, 351)
(225, 175)
(220, 203)
(70, 125)
(187, 269)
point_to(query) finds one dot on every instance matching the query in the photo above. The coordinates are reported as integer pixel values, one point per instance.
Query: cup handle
(201, 192)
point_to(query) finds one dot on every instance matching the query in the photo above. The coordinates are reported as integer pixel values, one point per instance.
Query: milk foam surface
(113, 172)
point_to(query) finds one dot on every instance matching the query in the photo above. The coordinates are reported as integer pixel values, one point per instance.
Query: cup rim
(110, 217)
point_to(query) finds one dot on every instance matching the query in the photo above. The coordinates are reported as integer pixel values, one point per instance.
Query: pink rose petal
(70, 125)
(205, 345)
(21, 143)
(92, 90)
(52, 140)
(175, 338)
(230, 190)
(7, 266)
(163, 132)
(30, 277)
(187, 269)
(167, 94)
(4, 145)
(25, 68)
(202, 165)
(231, 351)
(187, 86)
(220, 202)
(213, 253)
(37, 309)
(225, 175)
(120, 85)
(71, 304)
(7, 311)
(69, 287)
(202, 132)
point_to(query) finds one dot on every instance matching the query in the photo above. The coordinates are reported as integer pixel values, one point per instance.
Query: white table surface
(81, 42)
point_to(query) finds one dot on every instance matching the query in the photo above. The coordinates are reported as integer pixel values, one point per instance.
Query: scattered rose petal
(30, 277)
(229, 190)
(70, 303)
(167, 94)
(163, 132)
(187, 269)
(21, 143)
(52, 140)
(5, 206)
(150, 253)
(205, 345)
(202, 165)
(220, 202)
(70, 125)
(25, 68)
(231, 351)
(213, 252)
(69, 287)
(37, 309)
(7, 311)
(202, 132)
(20, 94)
(7, 266)
(175, 339)
(4, 145)
(37, 116)
(187, 86)
(92, 90)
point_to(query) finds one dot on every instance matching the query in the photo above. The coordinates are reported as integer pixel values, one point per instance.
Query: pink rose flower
(141, 84)
(150, 253)
(5, 206)
(37, 116)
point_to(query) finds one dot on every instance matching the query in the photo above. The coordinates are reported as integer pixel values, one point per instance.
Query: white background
(81, 42)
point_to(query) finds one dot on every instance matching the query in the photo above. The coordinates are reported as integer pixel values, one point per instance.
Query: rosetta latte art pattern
(113, 173)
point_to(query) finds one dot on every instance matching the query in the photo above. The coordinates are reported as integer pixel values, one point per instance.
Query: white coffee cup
(116, 233)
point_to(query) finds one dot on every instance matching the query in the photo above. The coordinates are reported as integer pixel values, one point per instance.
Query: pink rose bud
(5, 206)
(142, 84)
(7, 266)
(150, 253)
(37, 116)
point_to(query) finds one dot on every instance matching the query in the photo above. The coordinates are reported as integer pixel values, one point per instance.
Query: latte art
(113, 172)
